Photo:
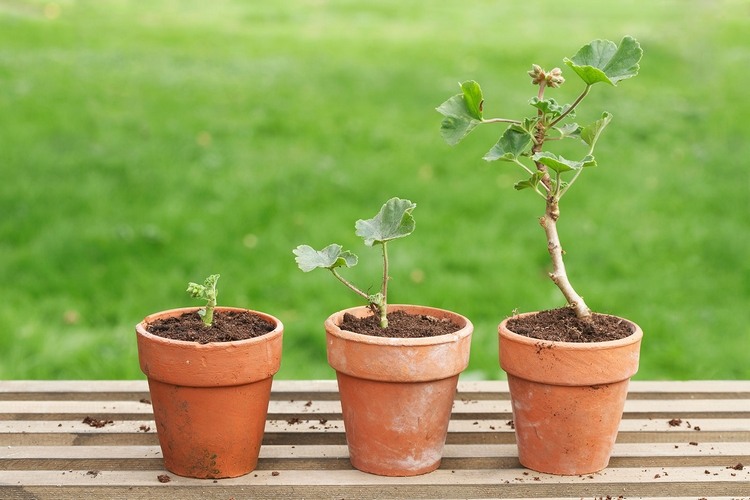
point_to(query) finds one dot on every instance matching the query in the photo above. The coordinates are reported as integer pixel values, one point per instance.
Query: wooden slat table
(46, 451)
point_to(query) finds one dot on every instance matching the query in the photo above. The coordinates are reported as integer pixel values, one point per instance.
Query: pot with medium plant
(209, 373)
(568, 369)
(397, 366)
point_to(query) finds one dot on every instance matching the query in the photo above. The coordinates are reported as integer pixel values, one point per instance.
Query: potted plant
(397, 366)
(209, 374)
(568, 369)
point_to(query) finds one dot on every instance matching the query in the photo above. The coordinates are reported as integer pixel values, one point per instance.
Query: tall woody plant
(523, 142)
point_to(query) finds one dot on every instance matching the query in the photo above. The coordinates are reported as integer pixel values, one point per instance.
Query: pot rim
(466, 327)
(143, 332)
(636, 336)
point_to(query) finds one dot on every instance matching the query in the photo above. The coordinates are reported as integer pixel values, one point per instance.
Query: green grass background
(147, 144)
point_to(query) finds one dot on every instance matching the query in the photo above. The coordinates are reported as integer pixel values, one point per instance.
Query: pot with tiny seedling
(568, 369)
(397, 366)
(209, 373)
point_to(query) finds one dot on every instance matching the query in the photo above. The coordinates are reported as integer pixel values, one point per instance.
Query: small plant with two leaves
(208, 292)
(393, 221)
(523, 142)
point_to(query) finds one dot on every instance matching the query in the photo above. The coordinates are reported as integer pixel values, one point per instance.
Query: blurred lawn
(145, 145)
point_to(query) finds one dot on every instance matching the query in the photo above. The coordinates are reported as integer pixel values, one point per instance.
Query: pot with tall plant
(568, 369)
(209, 373)
(397, 366)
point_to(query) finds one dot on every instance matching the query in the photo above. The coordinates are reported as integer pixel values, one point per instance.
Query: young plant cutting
(393, 221)
(397, 366)
(209, 374)
(556, 359)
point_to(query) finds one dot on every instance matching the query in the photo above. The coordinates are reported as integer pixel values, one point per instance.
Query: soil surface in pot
(562, 325)
(226, 327)
(400, 324)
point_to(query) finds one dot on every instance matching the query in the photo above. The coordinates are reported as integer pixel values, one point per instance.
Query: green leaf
(473, 98)
(570, 130)
(512, 144)
(330, 257)
(560, 164)
(463, 112)
(590, 134)
(394, 220)
(547, 106)
(531, 182)
(603, 61)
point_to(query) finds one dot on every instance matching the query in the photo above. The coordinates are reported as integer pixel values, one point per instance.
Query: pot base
(396, 429)
(566, 430)
(203, 443)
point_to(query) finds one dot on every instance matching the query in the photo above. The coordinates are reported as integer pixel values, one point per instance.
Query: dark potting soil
(226, 327)
(400, 324)
(562, 325)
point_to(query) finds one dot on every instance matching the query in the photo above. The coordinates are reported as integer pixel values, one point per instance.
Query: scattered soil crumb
(738, 467)
(145, 401)
(696, 428)
(308, 404)
(275, 473)
(693, 443)
(145, 428)
(675, 422)
(163, 478)
(93, 473)
(93, 422)
(293, 421)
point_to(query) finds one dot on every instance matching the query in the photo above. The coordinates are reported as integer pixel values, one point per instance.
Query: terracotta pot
(210, 400)
(567, 398)
(397, 394)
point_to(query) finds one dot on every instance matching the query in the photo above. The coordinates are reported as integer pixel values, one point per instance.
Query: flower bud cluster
(552, 78)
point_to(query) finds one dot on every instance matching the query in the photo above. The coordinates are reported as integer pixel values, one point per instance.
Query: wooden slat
(325, 389)
(46, 451)
(463, 409)
(644, 481)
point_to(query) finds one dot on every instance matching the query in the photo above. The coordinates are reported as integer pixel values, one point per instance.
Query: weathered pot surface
(397, 394)
(567, 398)
(210, 401)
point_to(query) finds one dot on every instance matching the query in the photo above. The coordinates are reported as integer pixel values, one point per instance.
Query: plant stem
(208, 315)
(558, 275)
(384, 289)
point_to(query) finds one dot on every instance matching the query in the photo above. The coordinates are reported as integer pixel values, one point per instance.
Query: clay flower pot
(210, 400)
(567, 398)
(397, 394)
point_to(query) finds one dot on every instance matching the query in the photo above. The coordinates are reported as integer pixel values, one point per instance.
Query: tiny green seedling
(394, 220)
(523, 141)
(208, 292)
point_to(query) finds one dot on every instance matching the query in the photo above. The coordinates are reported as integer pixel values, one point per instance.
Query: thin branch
(572, 106)
(349, 285)
(502, 120)
(384, 288)
(565, 189)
